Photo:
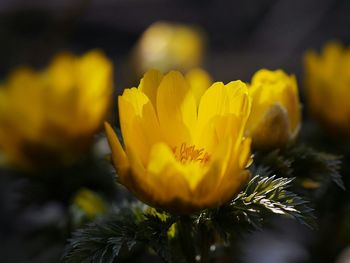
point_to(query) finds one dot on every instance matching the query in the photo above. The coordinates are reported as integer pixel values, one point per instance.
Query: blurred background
(240, 37)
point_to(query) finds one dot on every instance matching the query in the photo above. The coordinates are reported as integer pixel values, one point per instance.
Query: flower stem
(204, 235)
(186, 239)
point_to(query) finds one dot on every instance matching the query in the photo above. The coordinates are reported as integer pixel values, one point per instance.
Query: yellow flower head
(166, 46)
(51, 115)
(90, 203)
(276, 111)
(182, 154)
(327, 84)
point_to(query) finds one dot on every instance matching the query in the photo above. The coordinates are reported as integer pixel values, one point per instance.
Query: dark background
(243, 36)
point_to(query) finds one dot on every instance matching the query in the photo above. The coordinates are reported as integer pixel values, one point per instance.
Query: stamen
(190, 154)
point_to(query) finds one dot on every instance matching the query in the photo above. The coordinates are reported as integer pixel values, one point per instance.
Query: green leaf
(261, 198)
(102, 241)
(311, 168)
(105, 241)
(318, 165)
(154, 232)
(269, 195)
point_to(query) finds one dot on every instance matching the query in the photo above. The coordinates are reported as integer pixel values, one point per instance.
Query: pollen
(189, 153)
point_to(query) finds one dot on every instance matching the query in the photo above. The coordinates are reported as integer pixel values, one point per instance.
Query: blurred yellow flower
(181, 154)
(166, 46)
(90, 202)
(276, 111)
(50, 116)
(327, 86)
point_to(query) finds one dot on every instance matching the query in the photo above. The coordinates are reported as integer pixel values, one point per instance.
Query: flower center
(189, 153)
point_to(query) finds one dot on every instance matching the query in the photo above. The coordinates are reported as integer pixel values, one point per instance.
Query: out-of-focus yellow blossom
(51, 116)
(89, 202)
(276, 111)
(167, 46)
(327, 86)
(180, 154)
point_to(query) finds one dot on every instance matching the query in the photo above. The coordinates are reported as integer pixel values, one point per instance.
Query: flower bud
(167, 46)
(276, 112)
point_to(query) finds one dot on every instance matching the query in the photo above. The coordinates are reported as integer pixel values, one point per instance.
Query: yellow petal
(138, 121)
(240, 103)
(220, 100)
(61, 72)
(235, 175)
(216, 169)
(94, 73)
(26, 108)
(217, 130)
(137, 100)
(167, 175)
(332, 53)
(230, 185)
(95, 81)
(245, 157)
(119, 157)
(149, 84)
(138, 180)
(162, 182)
(176, 108)
(290, 99)
(273, 129)
(213, 102)
(199, 81)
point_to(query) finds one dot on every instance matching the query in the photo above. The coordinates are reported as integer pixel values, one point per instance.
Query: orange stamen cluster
(190, 154)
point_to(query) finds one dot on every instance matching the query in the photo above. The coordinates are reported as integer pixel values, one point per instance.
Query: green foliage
(261, 198)
(122, 231)
(318, 165)
(102, 241)
(264, 195)
(154, 233)
(315, 171)
(118, 234)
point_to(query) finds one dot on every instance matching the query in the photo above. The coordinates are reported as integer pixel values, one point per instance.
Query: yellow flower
(166, 46)
(180, 154)
(327, 83)
(52, 115)
(90, 203)
(276, 111)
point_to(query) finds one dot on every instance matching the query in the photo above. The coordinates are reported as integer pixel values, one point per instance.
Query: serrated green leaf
(262, 197)
(313, 169)
(104, 241)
